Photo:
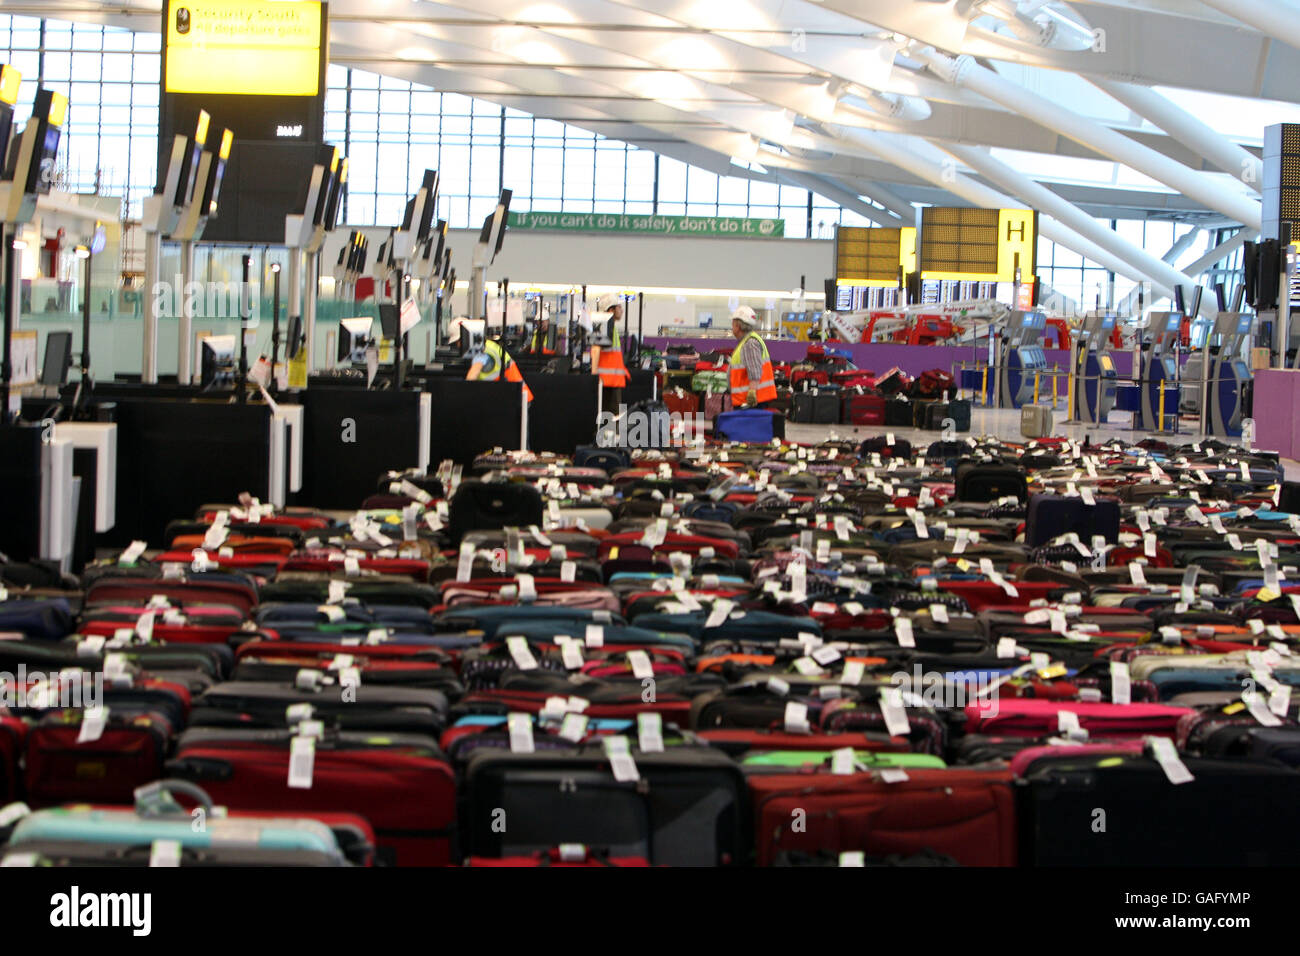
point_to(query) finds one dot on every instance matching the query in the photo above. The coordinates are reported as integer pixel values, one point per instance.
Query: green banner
(722, 226)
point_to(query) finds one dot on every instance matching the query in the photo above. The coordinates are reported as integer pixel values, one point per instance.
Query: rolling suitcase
(816, 407)
(400, 783)
(687, 806)
(989, 482)
(1051, 516)
(966, 814)
(1036, 421)
(860, 409)
(1149, 821)
(478, 506)
(958, 412)
(899, 413)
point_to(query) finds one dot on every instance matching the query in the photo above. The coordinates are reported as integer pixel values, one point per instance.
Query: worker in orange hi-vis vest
(488, 361)
(607, 350)
(753, 380)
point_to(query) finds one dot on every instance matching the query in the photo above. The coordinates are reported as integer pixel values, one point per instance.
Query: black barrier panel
(639, 389)
(173, 456)
(563, 413)
(20, 486)
(352, 436)
(470, 418)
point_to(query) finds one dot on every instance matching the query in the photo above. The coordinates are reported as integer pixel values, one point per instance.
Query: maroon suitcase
(128, 754)
(864, 409)
(715, 405)
(401, 783)
(681, 402)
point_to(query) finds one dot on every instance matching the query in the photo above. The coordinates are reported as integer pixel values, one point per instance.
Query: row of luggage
(860, 654)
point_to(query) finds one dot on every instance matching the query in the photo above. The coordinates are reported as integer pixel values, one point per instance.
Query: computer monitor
(216, 361)
(293, 337)
(58, 358)
(388, 318)
(1244, 325)
(354, 337)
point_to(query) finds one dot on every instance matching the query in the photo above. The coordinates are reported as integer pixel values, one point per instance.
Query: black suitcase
(817, 407)
(1149, 821)
(1051, 516)
(958, 412)
(898, 413)
(901, 448)
(989, 482)
(610, 459)
(479, 506)
(687, 809)
(921, 411)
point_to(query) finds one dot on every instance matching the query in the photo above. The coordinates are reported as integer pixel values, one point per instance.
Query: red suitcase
(128, 754)
(968, 815)
(1041, 718)
(864, 409)
(680, 402)
(400, 783)
(13, 733)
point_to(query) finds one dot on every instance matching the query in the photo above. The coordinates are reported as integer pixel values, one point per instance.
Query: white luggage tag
(1068, 725)
(1136, 574)
(650, 733)
(903, 632)
(895, 714)
(574, 727)
(642, 668)
(844, 762)
(796, 718)
(144, 626)
(132, 553)
(619, 753)
(520, 653)
(93, 723)
(1165, 754)
(594, 635)
(853, 673)
(520, 727)
(302, 761)
(465, 565)
(527, 588)
(1279, 702)
(1259, 709)
(165, 853)
(1121, 684)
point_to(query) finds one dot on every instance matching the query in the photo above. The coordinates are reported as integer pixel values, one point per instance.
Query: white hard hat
(607, 302)
(745, 316)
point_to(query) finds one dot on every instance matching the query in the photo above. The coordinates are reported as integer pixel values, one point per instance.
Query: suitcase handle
(201, 768)
(156, 799)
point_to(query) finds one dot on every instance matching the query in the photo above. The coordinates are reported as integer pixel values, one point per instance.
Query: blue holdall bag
(750, 425)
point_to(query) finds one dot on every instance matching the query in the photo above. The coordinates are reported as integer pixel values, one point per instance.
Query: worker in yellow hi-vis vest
(753, 380)
(607, 349)
(488, 360)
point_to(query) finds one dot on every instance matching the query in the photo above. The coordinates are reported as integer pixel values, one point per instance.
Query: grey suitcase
(1036, 421)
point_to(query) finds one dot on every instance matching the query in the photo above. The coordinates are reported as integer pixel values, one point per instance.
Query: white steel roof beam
(1188, 130)
(964, 71)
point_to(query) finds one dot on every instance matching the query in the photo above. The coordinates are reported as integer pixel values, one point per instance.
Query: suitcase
(128, 753)
(400, 783)
(569, 856)
(479, 505)
(1040, 718)
(688, 807)
(899, 413)
(1036, 421)
(864, 409)
(715, 404)
(966, 814)
(680, 402)
(749, 425)
(609, 460)
(901, 448)
(921, 411)
(45, 618)
(1147, 820)
(1051, 516)
(817, 407)
(958, 411)
(13, 735)
(989, 482)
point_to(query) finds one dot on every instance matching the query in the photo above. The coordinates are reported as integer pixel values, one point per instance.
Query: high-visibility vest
(538, 344)
(741, 386)
(613, 373)
(501, 362)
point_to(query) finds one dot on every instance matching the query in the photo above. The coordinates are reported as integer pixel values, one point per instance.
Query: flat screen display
(245, 47)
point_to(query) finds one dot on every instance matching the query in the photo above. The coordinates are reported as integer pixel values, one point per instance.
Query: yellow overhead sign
(867, 257)
(249, 47)
(10, 81)
(978, 245)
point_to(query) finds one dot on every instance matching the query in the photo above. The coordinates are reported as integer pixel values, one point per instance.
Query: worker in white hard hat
(607, 350)
(488, 360)
(753, 380)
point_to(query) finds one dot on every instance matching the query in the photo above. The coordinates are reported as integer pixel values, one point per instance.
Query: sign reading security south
(246, 47)
(722, 227)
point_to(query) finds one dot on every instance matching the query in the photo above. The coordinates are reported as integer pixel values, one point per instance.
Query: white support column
(1040, 197)
(184, 332)
(1188, 130)
(976, 193)
(149, 345)
(965, 72)
(1279, 19)
(904, 213)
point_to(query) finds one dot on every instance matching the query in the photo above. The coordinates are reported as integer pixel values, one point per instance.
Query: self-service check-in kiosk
(1227, 375)
(1095, 378)
(1160, 372)
(1021, 358)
